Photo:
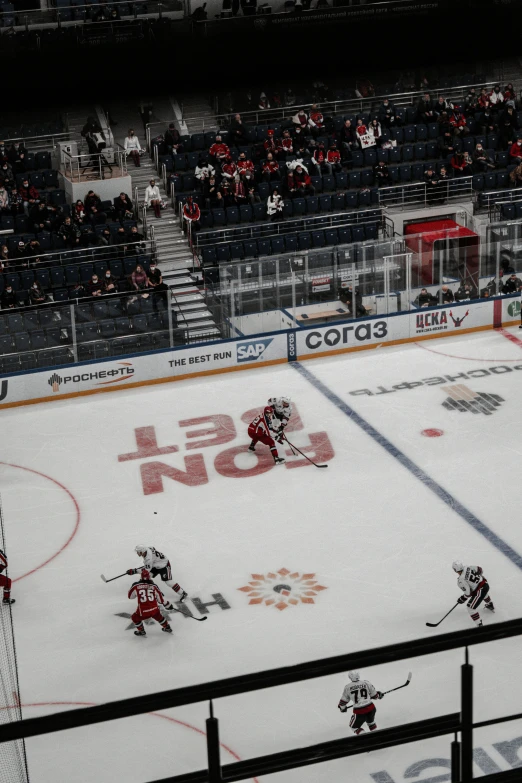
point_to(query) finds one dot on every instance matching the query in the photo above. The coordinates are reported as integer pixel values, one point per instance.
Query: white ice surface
(375, 537)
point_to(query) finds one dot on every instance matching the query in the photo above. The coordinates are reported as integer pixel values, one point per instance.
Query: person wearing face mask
(481, 161)
(95, 286)
(515, 152)
(133, 147)
(159, 288)
(8, 298)
(110, 283)
(36, 294)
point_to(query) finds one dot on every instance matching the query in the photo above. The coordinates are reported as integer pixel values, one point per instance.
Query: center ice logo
(252, 350)
(282, 589)
(462, 398)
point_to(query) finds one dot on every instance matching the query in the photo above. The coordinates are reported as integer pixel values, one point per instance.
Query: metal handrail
(415, 188)
(76, 165)
(349, 105)
(44, 138)
(67, 257)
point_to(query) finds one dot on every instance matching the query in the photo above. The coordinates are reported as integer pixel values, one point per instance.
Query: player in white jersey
(475, 587)
(361, 693)
(156, 563)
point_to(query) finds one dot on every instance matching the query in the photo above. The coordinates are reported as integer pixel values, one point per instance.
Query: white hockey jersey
(154, 559)
(470, 578)
(361, 693)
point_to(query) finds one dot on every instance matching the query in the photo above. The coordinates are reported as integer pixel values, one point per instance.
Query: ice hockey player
(156, 563)
(475, 586)
(361, 693)
(5, 582)
(149, 598)
(269, 426)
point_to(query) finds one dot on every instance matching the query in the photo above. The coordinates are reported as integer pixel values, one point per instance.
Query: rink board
(366, 544)
(256, 351)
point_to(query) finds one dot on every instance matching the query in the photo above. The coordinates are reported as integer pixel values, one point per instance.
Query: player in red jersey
(269, 426)
(5, 582)
(149, 597)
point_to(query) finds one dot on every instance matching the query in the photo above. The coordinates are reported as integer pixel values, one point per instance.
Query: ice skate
(252, 446)
(279, 460)
(140, 633)
(8, 601)
(183, 596)
(167, 629)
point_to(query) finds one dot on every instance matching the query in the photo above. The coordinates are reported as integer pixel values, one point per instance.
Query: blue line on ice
(414, 469)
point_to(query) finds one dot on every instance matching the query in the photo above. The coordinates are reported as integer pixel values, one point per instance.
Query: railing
(419, 195)
(37, 143)
(75, 167)
(77, 12)
(348, 106)
(460, 750)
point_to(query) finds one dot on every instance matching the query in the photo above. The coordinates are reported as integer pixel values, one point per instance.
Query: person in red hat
(191, 213)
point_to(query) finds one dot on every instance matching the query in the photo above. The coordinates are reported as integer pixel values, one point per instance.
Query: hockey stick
(178, 611)
(400, 686)
(434, 625)
(303, 455)
(113, 578)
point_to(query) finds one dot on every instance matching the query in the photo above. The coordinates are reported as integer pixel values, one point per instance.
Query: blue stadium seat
(420, 151)
(325, 203)
(223, 252)
(304, 240)
(398, 135)
(407, 153)
(26, 279)
(490, 181)
(245, 213)
(236, 251)
(433, 130)
(208, 255)
(317, 183)
(366, 178)
(108, 327)
(370, 157)
(57, 274)
(371, 231)
(357, 159)
(341, 181)
(263, 190)
(383, 155)
(250, 248)
(100, 310)
(358, 234)
(288, 208)
(395, 155)
(331, 236)
(354, 179)
(22, 342)
(278, 245)
(328, 183)
(31, 320)
(38, 341)
(364, 198)
(344, 236)
(318, 239)
(350, 199)
(264, 247)
(338, 202)
(409, 134)
(87, 270)
(299, 206)
(312, 205)
(405, 173)
(219, 217)
(15, 323)
(232, 215)
(478, 182)
(508, 211)
(503, 179)
(421, 132)
(291, 243)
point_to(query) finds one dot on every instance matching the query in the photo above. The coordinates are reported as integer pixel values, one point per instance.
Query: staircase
(199, 113)
(174, 258)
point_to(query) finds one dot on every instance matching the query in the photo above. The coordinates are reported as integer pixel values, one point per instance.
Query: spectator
(219, 151)
(239, 192)
(270, 169)
(425, 299)
(4, 201)
(36, 294)
(445, 295)
(244, 165)
(515, 152)
(445, 144)
(211, 193)
(70, 232)
(512, 285)
(19, 253)
(460, 166)
(471, 101)
(483, 99)
(93, 210)
(515, 175)
(317, 118)
(153, 197)
(252, 196)
(95, 286)
(464, 292)
(302, 121)
(346, 296)
(319, 161)
(135, 238)
(289, 185)
(488, 121)
(432, 182)
(481, 161)
(199, 14)
(510, 98)
(204, 170)
(442, 106)
(120, 239)
(109, 282)
(485, 293)
(387, 115)
(39, 218)
(425, 109)
(33, 249)
(172, 140)
(287, 144)
(78, 211)
(458, 123)
(360, 130)
(139, 280)
(77, 291)
(8, 298)
(16, 202)
(226, 191)
(30, 196)
(289, 97)
(508, 127)
(274, 206)
(191, 214)
(6, 175)
(238, 132)
(375, 132)
(381, 174)
(496, 98)
(263, 102)
(333, 158)
(229, 169)
(348, 142)
(123, 209)
(270, 143)
(303, 181)
(4, 257)
(159, 288)
(133, 147)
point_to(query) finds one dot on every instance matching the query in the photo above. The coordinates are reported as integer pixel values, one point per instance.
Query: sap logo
(249, 352)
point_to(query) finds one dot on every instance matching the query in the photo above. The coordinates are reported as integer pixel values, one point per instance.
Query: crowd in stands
(479, 135)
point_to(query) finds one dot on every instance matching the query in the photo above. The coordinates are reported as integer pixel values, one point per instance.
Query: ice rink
(300, 563)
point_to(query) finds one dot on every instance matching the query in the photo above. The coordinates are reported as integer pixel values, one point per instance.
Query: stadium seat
(421, 132)
(490, 181)
(370, 157)
(278, 245)
(344, 236)
(15, 323)
(358, 234)
(304, 240)
(264, 247)
(291, 243)
(245, 213)
(22, 341)
(325, 203)
(250, 248)
(420, 151)
(232, 214)
(364, 198)
(219, 217)
(409, 134)
(366, 178)
(354, 179)
(341, 181)
(208, 255)
(31, 320)
(38, 340)
(357, 159)
(338, 202)
(508, 211)
(350, 199)
(223, 252)
(407, 153)
(371, 231)
(331, 236)
(299, 206)
(312, 205)
(405, 173)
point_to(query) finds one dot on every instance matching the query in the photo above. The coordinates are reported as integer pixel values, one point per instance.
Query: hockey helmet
(281, 405)
(354, 676)
(457, 566)
(140, 549)
(145, 575)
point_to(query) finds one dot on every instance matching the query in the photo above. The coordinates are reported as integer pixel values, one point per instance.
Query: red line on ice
(465, 358)
(153, 714)
(511, 337)
(76, 525)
